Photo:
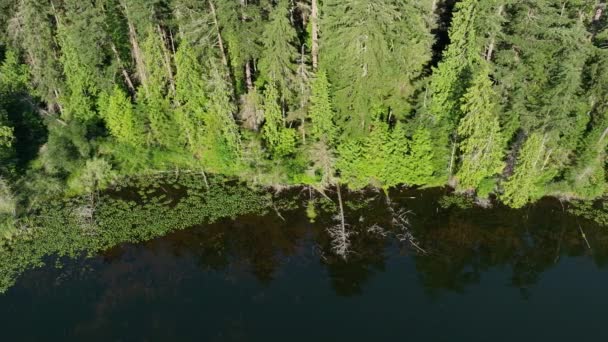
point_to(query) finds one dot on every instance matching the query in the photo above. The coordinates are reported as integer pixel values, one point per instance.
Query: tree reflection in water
(454, 246)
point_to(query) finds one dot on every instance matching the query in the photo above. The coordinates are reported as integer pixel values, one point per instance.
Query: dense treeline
(313, 92)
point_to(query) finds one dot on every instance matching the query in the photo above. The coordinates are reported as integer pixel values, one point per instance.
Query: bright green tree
(277, 61)
(280, 140)
(372, 52)
(121, 118)
(481, 141)
(83, 45)
(320, 112)
(532, 172)
(190, 95)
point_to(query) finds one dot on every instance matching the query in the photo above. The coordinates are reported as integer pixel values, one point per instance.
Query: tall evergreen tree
(373, 51)
(280, 140)
(124, 123)
(190, 95)
(277, 61)
(482, 143)
(222, 141)
(321, 112)
(83, 44)
(541, 71)
(469, 45)
(33, 30)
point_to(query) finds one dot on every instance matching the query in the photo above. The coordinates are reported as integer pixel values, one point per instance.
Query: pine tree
(121, 118)
(222, 141)
(153, 93)
(469, 44)
(277, 61)
(281, 141)
(320, 112)
(373, 51)
(482, 143)
(532, 172)
(586, 178)
(32, 29)
(541, 68)
(83, 41)
(190, 95)
(420, 158)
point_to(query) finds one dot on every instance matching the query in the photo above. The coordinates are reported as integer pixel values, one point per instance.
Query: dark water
(484, 275)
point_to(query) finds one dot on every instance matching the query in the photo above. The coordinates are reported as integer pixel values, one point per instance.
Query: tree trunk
(125, 74)
(137, 55)
(220, 41)
(166, 58)
(492, 42)
(315, 34)
(342, 220)
(248, 78)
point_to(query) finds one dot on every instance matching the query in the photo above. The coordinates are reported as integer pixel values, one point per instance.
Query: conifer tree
(531, 172)
(82, 40)
(190, 95)
(373, 51)
(541, 73)
(482, 143)
(586, 178)
(452, 77)
(277, 61)
(281, 141)
(420, 158)
(32, 29)
(153, 93)
(321, 112)
(222, 141)
(120, 116)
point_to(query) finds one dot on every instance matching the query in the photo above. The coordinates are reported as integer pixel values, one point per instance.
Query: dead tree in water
(340, 242)
(400, 221)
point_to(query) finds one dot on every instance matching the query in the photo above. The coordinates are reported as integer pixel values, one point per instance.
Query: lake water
(473, 275)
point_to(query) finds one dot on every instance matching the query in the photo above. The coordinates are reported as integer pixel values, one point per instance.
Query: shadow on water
(276, 277)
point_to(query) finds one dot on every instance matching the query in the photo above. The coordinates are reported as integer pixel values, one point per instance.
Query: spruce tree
(222, 141)
(277, 61)
(481, 141)
(373, 51)
(83, 44)
(124, 123)
(280, 140)
(32, 29)
(190, 95)
(321, 112)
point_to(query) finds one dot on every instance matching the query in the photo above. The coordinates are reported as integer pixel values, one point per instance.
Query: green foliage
(13, 75)
(320, 112)
(222, 140)
(532, 173)
(592, 210)
(386, 157)
(281, 141)
(82, 225)
(515, 103)
(373, 51)
(121, 118)
(34, 34)
(6, 135)
(277, 62)
(482, 144)
(190, 95)
(154, 102)
(8, 209)
(81, 38)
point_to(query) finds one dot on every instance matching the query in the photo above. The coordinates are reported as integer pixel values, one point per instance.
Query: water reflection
(454, 247)
(258, 275)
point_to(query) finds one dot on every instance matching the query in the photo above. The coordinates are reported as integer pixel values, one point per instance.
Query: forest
(497, 99)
